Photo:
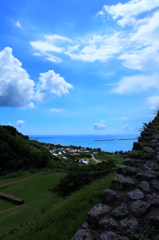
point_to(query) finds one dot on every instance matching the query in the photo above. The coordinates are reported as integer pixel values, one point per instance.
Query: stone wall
(132, 201)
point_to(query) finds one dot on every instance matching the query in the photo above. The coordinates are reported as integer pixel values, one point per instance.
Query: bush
(72, 182)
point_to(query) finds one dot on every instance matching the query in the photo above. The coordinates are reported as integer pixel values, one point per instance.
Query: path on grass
(95, 158)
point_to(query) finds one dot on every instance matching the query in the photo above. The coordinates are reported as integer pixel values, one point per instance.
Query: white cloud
(125, 128)
(18, 24)
(9, 124)
(45, 47)
(96, 47)
(16, 87)
(90, 48)
(50, 45)
(136, 83)
(31, 105)
(51, 83)
(20, 123)
(124, 118)
(143, 45)
(153, 101)
(18, 90)
(58, 110)
(128, 11)
(99, 126)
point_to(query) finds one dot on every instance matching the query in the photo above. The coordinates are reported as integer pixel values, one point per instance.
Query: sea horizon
(108, 143)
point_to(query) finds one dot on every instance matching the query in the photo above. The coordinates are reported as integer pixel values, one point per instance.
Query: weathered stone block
(145, 187)
(137, 145)
(126, 170)
(128, 226)
(96, 213)
(82, 234)
(108, 224)
(155, 185)
(126, 182)
(146, 175)
(110, 196)
(149, 165)
(109, 236)
(153, 199)
(135, 195)
(120, 212)
(139, 208)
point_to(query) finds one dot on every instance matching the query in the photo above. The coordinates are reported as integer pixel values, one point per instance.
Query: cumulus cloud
(20, 123)
(18, 90)
(153, 102)
(51, 83)
(57, 110)
(136, 83)
(16, 87)
(100, 125)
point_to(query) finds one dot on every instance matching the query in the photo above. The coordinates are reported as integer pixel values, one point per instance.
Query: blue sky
(79, 67)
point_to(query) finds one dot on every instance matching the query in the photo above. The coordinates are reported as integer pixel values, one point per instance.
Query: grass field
(37, 199)
(62, 217)
(44, 215)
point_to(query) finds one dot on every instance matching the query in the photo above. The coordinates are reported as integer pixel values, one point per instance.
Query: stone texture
(145, 187)
(126, 170)
(126, 182)
(110, 196)
(148, 149)
(139, 208)
(139, 198)
(156, 136)
(120, 212)
(155, 185)
(146, 175)
(133, 162)
(137, 145)
(109, 236)
(151, 166)
(128, 226)
(96, 213)
(108, 224)
(157, 157)
(153, 199)
(135, 195)
(155, 145)
(82, 234)
(154, 141)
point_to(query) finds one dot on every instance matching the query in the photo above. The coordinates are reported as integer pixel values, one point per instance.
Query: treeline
(18, 152)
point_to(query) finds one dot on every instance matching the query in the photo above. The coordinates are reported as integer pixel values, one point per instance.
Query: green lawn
(37, 199)
(65, 217)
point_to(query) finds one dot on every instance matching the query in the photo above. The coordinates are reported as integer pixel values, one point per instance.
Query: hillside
(18, 152)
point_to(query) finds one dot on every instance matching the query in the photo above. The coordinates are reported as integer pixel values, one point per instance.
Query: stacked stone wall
(132, 201)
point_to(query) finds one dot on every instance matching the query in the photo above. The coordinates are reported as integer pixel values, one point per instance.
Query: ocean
(108, 143)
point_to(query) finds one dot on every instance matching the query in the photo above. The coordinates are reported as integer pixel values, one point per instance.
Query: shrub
(75, 180)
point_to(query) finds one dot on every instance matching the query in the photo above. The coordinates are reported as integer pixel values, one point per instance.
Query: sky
(79, 67)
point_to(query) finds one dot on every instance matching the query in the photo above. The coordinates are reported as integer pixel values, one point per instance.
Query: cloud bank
(16, 87)
(18, 90)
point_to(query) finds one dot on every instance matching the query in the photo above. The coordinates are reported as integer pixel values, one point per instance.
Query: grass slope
(63, 217)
